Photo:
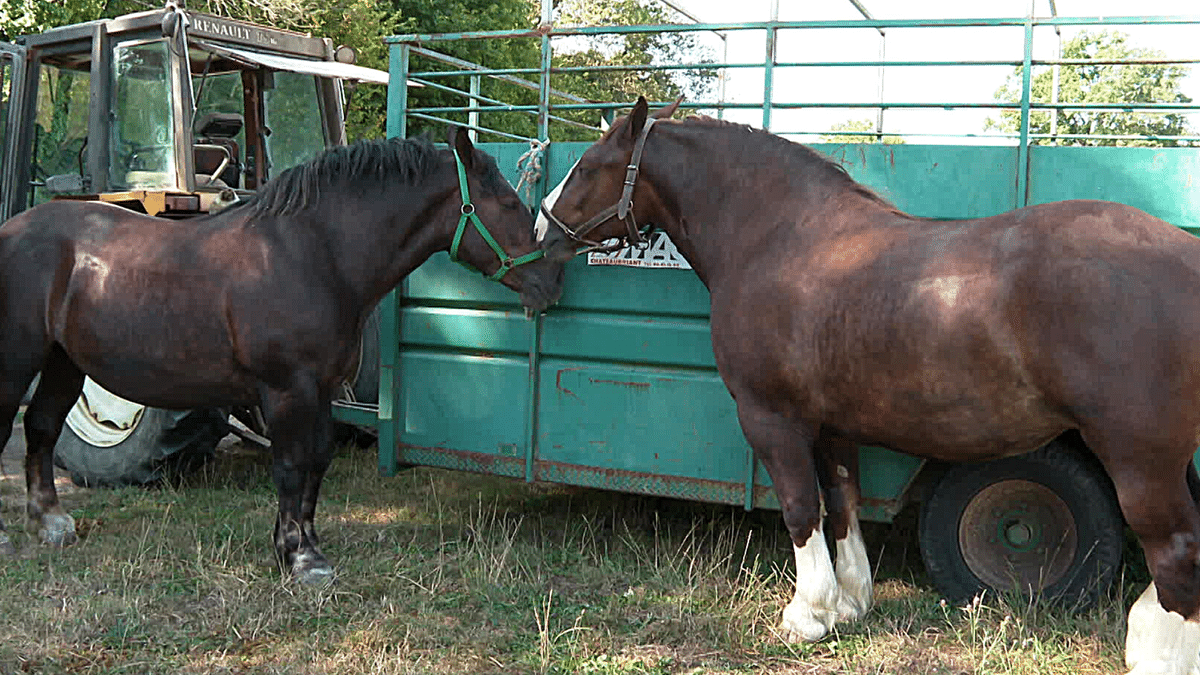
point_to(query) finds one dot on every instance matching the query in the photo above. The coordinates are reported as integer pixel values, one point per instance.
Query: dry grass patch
(446, 573)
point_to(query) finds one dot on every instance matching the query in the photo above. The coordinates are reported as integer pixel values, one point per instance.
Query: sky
(913, 84)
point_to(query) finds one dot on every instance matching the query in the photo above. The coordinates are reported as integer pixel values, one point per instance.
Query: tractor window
(221, 93)
(6, 73)
(60, 126)
(294, 119)
(142, 138)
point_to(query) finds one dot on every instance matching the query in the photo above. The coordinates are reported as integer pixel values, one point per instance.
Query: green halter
(507, 262)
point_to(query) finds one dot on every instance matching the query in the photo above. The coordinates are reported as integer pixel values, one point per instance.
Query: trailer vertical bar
(391, 403)
(473, 116)
(535, 323)
(1026, 95)
(769, 65)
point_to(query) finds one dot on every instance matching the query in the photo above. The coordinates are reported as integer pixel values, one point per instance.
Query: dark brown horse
(837, 320)
(262, 304)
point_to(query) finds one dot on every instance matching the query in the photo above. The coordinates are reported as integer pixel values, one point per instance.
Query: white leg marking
(1160, 642)
(57, 528)
(542, 224)
(853, 574)
(812, 612)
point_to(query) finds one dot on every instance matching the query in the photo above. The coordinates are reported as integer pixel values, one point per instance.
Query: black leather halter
(622, 210)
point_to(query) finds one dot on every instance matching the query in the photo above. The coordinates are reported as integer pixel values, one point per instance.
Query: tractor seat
(217, 155)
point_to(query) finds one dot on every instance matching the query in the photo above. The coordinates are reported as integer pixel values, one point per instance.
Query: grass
(443, 573)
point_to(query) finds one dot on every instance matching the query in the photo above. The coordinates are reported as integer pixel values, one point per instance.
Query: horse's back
(1065, 312)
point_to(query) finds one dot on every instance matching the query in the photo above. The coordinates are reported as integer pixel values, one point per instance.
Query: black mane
(365, 165)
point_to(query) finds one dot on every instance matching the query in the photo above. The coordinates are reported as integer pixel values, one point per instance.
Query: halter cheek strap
(622, 210)
(507, 262)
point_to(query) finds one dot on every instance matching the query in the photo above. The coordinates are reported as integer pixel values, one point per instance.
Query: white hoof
(855, 585)
(802, 623)
(1159, 642)
(57, 529)
(852, 608)
(311, 569)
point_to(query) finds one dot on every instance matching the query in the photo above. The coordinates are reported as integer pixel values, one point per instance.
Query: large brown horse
(262, 304)
(837, 320)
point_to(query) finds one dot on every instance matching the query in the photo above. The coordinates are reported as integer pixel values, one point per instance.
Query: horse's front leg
(837, 469)
(785, 447)
(300, 429)
(59, 388)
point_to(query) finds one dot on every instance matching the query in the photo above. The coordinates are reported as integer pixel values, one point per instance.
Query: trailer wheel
(1047, 522)
(109, 441)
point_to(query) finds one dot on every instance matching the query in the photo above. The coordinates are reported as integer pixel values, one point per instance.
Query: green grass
(442, 572)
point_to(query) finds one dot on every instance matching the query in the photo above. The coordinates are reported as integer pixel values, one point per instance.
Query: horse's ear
(460, 140)
(637, 117)
(667, 111)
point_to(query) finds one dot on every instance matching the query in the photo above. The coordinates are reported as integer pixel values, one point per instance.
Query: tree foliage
(1101, 83)
(362, 24)
(654, 48)
(866, 126)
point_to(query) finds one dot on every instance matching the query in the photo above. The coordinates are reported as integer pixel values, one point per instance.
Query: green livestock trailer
(616, 387)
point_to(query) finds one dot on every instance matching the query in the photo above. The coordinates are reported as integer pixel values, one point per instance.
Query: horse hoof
(6, 545)
(311, 569)
(804, 624)
(850, 608)
(58, 529)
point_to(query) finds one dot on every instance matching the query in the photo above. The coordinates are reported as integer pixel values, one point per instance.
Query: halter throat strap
(507, 262)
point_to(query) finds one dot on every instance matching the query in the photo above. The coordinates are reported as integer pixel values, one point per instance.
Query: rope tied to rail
(530, 166)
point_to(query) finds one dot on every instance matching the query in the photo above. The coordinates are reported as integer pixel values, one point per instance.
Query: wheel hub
(1019, 535)
(101, 418)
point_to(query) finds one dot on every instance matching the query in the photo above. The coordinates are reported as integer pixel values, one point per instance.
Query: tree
(866, 126)
(1129, 83)
(362, 24)
(629, 49)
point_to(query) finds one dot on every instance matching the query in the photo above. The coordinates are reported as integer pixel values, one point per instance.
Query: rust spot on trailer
(558, 381)
(620, 383)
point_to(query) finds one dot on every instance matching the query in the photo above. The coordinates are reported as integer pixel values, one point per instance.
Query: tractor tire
(150, 445)
(366, 379)
(363, 385)
(1043, 523)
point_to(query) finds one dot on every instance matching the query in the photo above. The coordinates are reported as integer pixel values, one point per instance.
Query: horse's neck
(378, 242)
(734, 210)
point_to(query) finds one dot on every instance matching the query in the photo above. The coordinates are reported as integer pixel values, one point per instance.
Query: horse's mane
(809, 159)
(363, 166)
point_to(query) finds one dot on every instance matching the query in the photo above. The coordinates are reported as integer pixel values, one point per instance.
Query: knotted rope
(530, 166)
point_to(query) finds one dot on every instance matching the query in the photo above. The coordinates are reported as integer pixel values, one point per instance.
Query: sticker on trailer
(659, 254)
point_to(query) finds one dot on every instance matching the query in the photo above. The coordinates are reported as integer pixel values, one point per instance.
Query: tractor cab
(169, 112)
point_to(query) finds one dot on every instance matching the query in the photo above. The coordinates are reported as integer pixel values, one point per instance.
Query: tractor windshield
(142, 137)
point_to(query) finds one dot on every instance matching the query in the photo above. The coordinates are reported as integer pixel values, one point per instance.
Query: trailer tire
(164, 444)
(993, 526)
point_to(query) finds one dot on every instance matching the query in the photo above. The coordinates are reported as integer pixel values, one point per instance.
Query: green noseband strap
(507, 262)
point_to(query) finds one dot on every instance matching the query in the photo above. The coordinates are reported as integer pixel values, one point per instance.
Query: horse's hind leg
(61, 383)
(785, 448)
(1159, 505)
(837, 469)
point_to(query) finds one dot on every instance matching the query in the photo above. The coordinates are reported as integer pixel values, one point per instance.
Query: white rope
(530, 166)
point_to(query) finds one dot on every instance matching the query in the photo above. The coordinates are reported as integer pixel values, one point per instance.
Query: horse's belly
(165, 361)
(170, 385)
(966, 427)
